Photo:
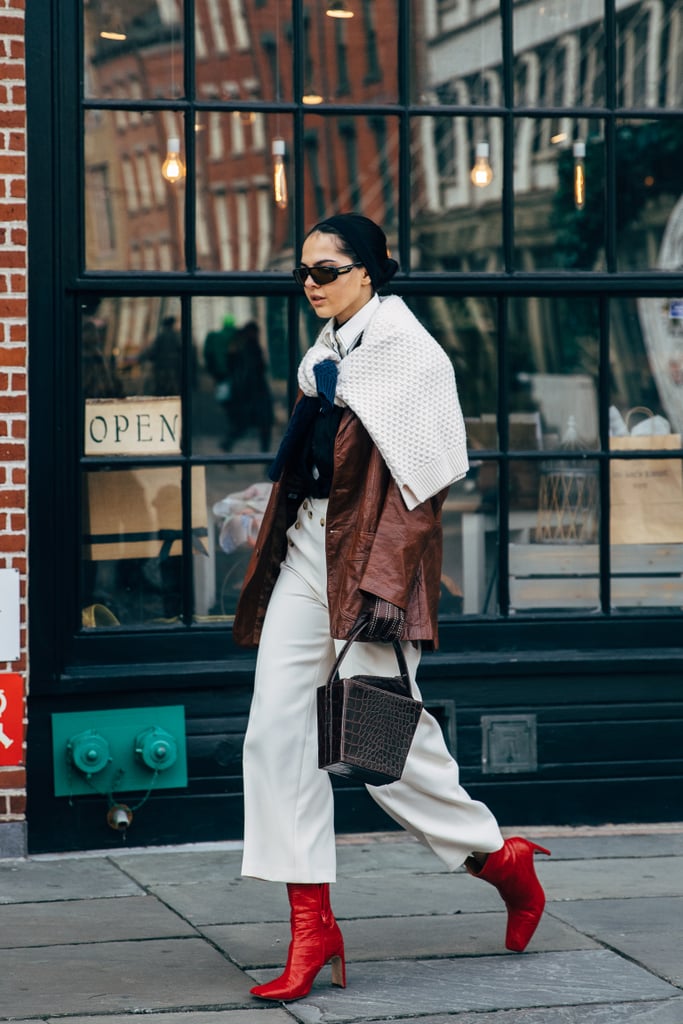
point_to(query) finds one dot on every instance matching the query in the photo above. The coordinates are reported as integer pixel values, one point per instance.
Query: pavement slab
(118, 977)
(668, 1011)
(213, 867)
(611, 878)
(649, 931)
(384, 990)
(73, 921)
(32, 881)
(261, 1015)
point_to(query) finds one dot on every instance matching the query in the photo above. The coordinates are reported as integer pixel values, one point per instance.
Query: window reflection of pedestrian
(165, 355)
(100, 379)
(351, 539)
(216, 345)
(250, 403)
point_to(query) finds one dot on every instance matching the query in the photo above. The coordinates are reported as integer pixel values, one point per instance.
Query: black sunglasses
(321, 275)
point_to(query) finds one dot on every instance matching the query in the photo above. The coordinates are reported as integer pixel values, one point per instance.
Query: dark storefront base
(609, 746)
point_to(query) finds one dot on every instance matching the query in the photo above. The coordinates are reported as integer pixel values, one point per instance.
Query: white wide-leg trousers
(288, 800)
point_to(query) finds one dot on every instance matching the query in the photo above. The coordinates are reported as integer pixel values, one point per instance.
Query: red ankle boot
(316, 941)
(511, 871)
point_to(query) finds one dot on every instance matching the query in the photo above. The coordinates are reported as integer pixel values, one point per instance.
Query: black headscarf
(367, 240)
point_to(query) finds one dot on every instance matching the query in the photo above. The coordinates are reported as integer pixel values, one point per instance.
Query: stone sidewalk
(177, 935)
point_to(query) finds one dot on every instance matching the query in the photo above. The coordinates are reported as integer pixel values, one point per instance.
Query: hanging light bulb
(173, 168)
(481, 174)
(579, 151)
(279, 175)
(113, 34)
(311, 98)
(338, 9)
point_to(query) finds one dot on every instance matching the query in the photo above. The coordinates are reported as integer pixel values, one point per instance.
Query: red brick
(13, 118)
(13, 452)
(13, 403)
(19, 236)
(17, 189)
(13, 307)
(17, 140)
(3, 476)
(18, 382)
(13, 258)
(13, 778)
(12, 499)
(17, 804)
(20, 564)
(18, 475)
(18, 282)
(12, 211)
(3, 522)
(17, 522)
(12, 163)
(4, 381)
(19, 95)
(17, 332)
(9, 71)
(19, 428)
(9, 543)
(17, 50)
(14, 356)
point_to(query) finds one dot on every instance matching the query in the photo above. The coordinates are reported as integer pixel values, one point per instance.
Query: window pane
(237, 496)
(456, 188)
(559, 54)
(131, 353)
(134, 216)
(457, 53)
(133, 50)
(243, 50)
(646, 492)
(553, 551)
(351, 163)
(240, 400)
(239, 224)
(350, 60)
(649, 207)
(470, 520)
(132, 544)
(559, 194)
(553, 346)
(650, 55)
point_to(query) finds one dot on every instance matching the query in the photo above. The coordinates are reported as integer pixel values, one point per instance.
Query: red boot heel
(511, 871)
(316, 941)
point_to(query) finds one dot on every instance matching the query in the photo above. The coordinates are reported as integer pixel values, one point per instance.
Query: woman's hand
(384, 621)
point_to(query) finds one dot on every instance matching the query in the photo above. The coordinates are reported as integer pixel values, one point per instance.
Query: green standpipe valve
(88, 752)
(156, 748)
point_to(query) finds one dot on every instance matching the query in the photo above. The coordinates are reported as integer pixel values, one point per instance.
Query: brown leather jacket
(374, 545)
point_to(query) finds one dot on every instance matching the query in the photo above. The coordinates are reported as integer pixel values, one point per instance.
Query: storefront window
(515, 199)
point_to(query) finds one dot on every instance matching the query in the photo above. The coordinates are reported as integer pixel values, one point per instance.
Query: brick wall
(13, 367)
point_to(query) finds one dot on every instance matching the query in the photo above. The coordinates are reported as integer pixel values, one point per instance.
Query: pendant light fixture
(579, 152)
(173, 167)
(338, 9)
(481, 174)
(280, 194)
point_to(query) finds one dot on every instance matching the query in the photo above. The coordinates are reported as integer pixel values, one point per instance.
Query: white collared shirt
(346, 337)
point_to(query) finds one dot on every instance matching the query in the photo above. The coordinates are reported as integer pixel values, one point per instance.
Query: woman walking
(352, 534)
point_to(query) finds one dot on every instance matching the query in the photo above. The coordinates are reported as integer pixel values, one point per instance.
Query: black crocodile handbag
(366, 723)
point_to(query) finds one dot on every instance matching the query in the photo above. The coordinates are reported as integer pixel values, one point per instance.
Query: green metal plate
(126, 772)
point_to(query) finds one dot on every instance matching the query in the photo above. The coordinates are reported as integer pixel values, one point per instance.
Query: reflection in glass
(470, 522)
(456, 54)
(650, 55)
(559, 54)
(553, 345)
(352, 59)
(130, 346)
(553, 551)
(239, 224)
(240, 390)
(236, 497)
(457, 220)
(132, 544)
(134, 217)
(351, 164)
(559, 217)
(648, 194)
(133, 49)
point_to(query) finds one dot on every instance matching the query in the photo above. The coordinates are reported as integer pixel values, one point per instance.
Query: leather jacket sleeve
(402, 542)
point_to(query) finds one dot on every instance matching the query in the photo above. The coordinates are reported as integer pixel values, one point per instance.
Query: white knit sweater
(401, 385)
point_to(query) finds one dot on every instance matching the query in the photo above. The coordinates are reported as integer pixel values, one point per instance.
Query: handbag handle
(398, 651)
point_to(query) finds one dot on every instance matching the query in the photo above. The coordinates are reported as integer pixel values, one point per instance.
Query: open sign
(11, 720)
